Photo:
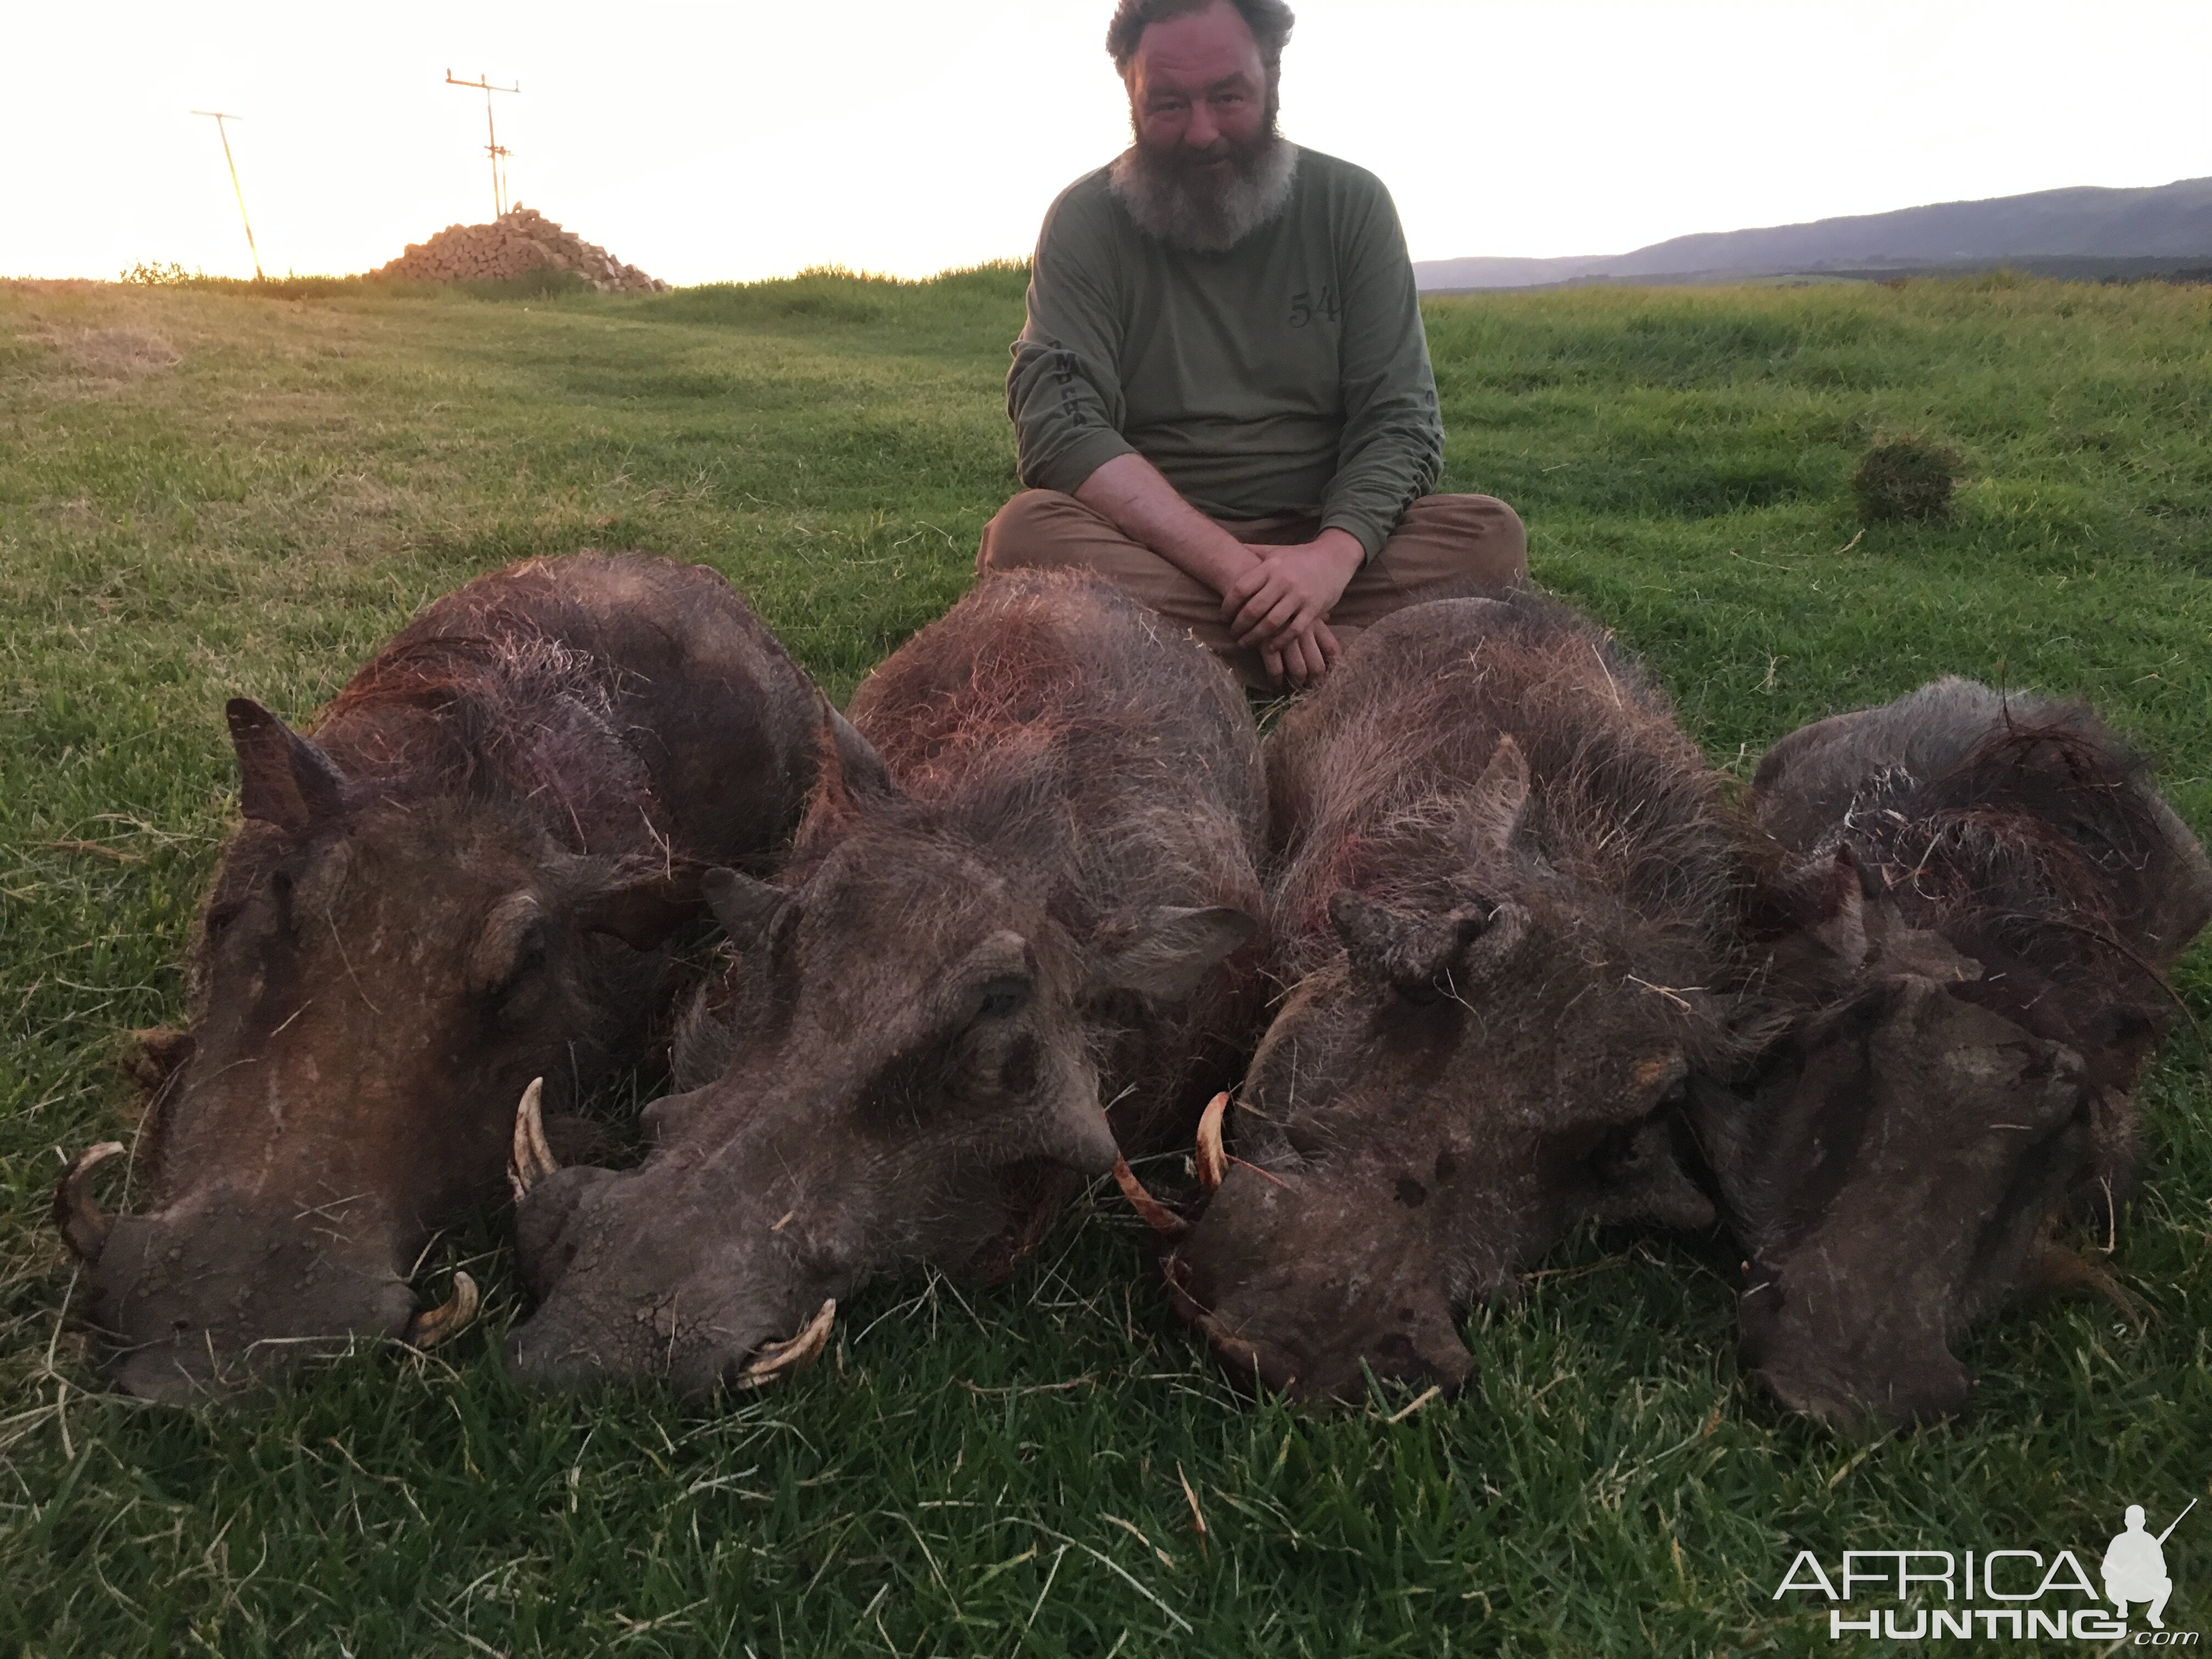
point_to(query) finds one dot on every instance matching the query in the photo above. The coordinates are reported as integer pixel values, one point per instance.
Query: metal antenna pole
(492, 148)
(219, 117)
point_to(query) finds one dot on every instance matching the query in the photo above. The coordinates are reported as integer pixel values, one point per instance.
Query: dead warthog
(458, 884)
(965, 967)
(1998, 891)
(1505, 893)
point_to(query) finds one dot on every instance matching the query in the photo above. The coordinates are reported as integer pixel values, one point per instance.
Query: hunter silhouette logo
(2000, 1594)
(2135, 1566)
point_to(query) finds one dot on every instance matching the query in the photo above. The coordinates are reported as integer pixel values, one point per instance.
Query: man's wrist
(1342, 557)
(1130, 493)
(1344, 549)
(1228, 559)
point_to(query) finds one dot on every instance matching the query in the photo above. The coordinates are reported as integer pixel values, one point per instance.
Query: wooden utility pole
(219, 116)
(492, 148)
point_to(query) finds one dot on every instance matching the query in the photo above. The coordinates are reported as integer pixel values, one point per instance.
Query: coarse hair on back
(1270, 22)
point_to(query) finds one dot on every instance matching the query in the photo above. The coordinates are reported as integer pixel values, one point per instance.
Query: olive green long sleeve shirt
(1286, 375)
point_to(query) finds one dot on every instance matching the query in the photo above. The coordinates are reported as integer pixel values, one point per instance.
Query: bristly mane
(1019, 688)
(1619, 796)
(513, 715)
(2042, 854)
(1023, 722)
(2042, 848)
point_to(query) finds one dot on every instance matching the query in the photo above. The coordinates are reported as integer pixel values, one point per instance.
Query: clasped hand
(1281, 604)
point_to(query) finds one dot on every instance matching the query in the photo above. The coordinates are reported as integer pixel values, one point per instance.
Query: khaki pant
(1443, 542)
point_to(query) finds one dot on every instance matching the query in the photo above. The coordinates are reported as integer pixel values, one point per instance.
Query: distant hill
(2167, 224)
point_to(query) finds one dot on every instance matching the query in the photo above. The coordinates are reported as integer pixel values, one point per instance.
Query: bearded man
(1222, 398)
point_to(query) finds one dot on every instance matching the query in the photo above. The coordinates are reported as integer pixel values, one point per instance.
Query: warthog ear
(639, 902)
(1825, 898)
(849, 773)
(860, 770)
(1500, 798)
(1165, 953)
(1822, 899)
(748, 909)
(284, 778)
(1419, 954)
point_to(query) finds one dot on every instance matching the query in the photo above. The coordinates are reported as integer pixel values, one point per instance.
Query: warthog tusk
(1213, 1162)
(775, 1359)
(84, 1229)
(432, 1326)
(532, 1160)
(1162, 1219)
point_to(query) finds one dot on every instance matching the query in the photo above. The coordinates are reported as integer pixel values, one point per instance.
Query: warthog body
(458, 884)
(1505, 893)
(1997, 889)
(1028, 921)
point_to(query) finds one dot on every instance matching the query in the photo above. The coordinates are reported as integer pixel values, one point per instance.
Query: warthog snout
(1314, 1330)
(1908, 1155)
(219, 1299)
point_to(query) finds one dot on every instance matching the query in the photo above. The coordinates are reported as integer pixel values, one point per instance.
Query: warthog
(1506, 893)
(459, 883)
(1028, 924)
(1999, 890)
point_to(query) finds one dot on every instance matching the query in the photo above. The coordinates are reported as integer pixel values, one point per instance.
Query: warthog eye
(520, 995)
(280, 891)
(1425, 993)
(511, 950)
(1003, 999)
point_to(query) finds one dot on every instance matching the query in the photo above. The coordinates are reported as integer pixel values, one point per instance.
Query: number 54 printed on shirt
(1305, 306)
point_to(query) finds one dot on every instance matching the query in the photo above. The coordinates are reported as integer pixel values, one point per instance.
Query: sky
(741, 140)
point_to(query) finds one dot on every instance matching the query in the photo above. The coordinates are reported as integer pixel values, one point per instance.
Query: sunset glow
(736, 141)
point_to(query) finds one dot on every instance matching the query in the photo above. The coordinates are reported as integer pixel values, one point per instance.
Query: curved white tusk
(1161, 1219)
(775, 1359)
(84, 1229)
(432, 1326)
(531, 1160)
(1213, 1162)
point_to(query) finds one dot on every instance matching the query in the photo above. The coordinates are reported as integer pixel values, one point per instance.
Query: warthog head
(1915, 1145)
(1998, 889)
(1478, 1062)
(1891, 1173)
(910, 1036)
(376, 979)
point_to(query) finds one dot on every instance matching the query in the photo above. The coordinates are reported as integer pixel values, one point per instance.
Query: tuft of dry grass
(1905, 481)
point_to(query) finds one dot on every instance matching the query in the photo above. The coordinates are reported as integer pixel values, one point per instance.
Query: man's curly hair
(1270, 22)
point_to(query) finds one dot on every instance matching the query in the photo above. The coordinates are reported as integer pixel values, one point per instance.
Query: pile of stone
(520, 240)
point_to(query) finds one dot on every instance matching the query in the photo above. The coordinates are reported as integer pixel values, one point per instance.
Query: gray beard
(1160, 200)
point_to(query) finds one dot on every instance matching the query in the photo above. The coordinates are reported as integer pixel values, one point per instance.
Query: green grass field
(205, 492)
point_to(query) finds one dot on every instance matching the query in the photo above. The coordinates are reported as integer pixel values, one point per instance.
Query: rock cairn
(520, 240)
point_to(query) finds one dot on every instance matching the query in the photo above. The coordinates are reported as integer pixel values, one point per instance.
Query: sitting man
(1222, 398)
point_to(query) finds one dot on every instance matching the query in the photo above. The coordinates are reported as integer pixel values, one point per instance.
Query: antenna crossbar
(492, 148)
